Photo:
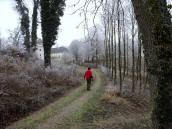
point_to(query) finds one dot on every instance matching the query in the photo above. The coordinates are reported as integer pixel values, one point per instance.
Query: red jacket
(88, 74)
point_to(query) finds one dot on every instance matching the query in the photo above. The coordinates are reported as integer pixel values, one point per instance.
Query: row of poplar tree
(155, 39)
(122, 57)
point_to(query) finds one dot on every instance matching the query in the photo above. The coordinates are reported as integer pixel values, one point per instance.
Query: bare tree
(74, 48)
(124, 42)
(133, 33)
(119, 46)
(127, 65)
(15, 37)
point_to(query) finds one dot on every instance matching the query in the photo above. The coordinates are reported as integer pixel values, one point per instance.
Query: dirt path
(64, 113)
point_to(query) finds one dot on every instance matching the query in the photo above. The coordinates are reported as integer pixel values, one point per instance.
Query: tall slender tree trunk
(27, 40)
(47, 56)
(127, 65)
(133, 53)
(124, 42)
(105, 44)
(119, 48)
(145, 75)
(112, 49)
(108, 50)
(115, 54)
(140, 62)
(96, 57)
(109, 47)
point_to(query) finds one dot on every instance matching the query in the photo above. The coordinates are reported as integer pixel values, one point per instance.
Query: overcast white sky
(67, 33)
(68, 30)
(9, 18)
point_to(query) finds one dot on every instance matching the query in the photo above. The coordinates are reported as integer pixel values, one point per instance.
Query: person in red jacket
(88, 76)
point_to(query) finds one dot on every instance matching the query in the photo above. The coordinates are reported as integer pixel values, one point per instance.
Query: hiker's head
(89, 68)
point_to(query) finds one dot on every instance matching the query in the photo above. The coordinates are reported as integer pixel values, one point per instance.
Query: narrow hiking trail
(67, 111)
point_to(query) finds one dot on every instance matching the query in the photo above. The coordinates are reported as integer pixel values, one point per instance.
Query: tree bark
(133, 53)
(124, 42)
(47, 56)
(119, 48)
(140, 62)
(155, 24)
(115, 55)
(127, 55)
(105, 44)
(112, 49)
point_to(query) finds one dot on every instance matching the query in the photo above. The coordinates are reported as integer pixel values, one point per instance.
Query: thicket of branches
(26, 86)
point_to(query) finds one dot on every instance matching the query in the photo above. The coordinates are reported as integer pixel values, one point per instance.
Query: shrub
(26, 86)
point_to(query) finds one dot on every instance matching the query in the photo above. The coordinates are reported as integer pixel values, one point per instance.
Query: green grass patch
(39, 117)
(90, 105)
(78, 117)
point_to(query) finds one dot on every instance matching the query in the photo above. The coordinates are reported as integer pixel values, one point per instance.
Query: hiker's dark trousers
(88, 84)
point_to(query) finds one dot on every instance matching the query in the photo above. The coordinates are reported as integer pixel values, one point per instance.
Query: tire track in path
(60, 117)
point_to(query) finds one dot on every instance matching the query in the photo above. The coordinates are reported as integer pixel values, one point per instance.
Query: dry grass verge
(26, 86)
(118, 112)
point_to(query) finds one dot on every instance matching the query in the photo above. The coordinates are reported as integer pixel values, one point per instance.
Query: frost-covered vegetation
(25, 85)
